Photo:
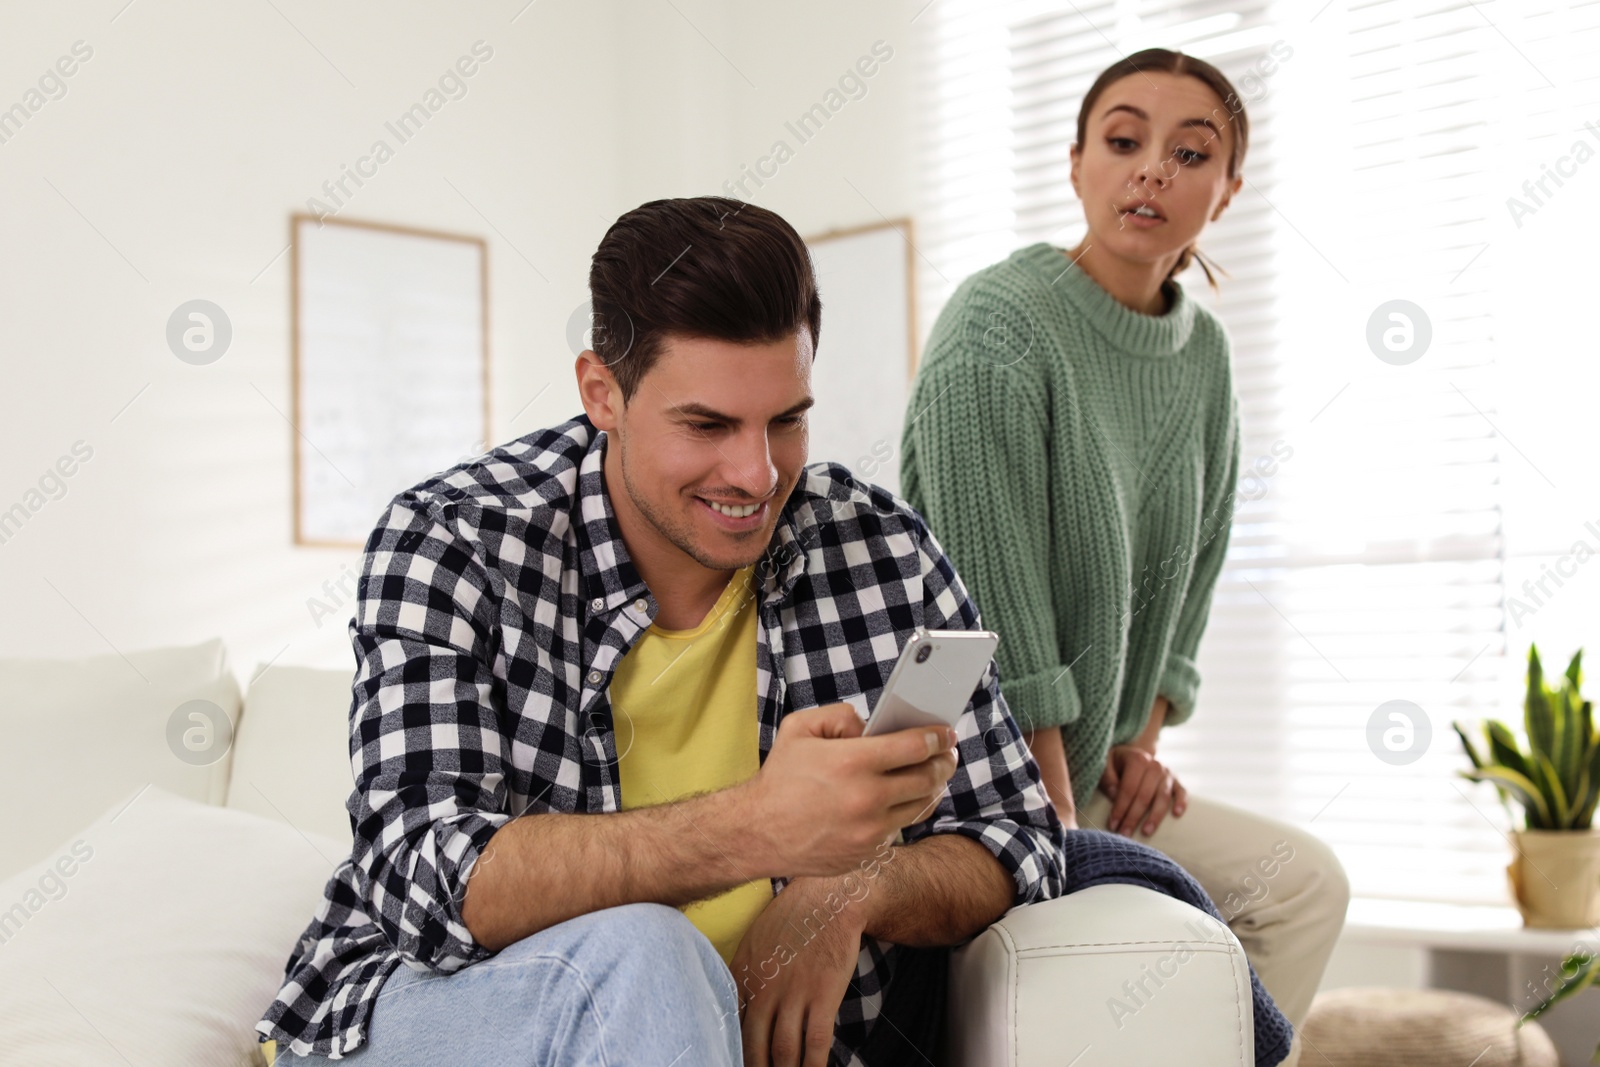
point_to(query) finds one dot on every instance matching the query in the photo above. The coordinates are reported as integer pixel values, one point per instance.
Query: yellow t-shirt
(683, 703)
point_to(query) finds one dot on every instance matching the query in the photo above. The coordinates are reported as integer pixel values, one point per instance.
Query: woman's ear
(1227, 198)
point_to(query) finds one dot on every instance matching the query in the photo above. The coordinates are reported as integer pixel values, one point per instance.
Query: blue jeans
(631, 986)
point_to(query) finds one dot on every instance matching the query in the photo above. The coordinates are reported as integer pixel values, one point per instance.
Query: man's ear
(598, 389)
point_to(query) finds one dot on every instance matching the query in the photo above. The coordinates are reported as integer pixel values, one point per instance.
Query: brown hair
(705, 266)
(1165, 61)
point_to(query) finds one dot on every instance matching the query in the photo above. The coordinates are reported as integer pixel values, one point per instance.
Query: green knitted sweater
(1077, 460)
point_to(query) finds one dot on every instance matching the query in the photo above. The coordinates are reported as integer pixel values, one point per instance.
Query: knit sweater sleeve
(974, 462)
(1180, 678)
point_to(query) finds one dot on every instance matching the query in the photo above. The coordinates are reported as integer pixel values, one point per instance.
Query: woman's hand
(1141, 788)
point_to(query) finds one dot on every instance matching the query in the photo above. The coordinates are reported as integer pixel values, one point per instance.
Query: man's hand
(826, 798)
(792, 970)
(1142, 788)
(823, 801)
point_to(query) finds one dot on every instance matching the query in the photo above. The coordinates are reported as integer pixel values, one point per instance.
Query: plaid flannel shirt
(495, 601)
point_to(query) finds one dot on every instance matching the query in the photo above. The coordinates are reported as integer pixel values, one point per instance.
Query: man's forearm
(539, 870)
(936, 891)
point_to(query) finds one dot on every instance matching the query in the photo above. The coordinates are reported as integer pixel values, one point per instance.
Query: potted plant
(1555, 874)
(1579, 971)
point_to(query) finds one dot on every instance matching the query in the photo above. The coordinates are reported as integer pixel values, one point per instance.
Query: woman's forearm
(1051, 755)
(1152, 728)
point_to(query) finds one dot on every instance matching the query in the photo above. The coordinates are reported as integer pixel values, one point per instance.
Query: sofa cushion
(291, 758)
(1052, 980)
(80, 733)
(157, 933)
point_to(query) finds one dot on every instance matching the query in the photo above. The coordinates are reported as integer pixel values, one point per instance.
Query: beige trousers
(1281, 890)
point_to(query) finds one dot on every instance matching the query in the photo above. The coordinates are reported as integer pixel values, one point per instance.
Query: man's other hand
(792, 970)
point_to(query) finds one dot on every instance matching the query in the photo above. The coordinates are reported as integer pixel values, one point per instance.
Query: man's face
(713, 426)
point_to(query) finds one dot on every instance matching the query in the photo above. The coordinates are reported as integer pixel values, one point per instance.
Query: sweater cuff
(1180, 683)
(1043, 699)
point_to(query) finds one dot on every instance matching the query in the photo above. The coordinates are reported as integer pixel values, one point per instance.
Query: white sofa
(148, 901)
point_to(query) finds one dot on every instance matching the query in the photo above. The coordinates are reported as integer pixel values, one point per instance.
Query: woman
(1075, 450)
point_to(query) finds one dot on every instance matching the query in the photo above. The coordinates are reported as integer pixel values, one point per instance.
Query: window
(1411, 526)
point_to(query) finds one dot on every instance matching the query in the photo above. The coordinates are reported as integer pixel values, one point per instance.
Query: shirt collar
(607, 573)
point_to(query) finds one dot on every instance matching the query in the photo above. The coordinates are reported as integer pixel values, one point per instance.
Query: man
(611, 799)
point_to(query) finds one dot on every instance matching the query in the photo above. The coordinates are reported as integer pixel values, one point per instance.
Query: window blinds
(1391, 505)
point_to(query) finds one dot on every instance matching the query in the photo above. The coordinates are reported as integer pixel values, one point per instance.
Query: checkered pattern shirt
(496, 600)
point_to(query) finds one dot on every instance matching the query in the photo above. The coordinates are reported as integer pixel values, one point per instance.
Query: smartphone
(933, 681)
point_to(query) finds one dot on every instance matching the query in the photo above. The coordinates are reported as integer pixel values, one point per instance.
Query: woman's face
(1163, 141)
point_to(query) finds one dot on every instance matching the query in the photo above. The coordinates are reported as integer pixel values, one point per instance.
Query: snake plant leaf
(1575, 671)
(1584, 818)
(1586, 726)
(1554, 793)
(1527, 794)
(1478, 763)
(1570, 744)
(1504, 750)
(1538, 716)
(1583, 802)
(1466, 743)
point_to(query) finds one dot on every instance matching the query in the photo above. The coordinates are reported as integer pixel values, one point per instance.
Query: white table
(1486, 950)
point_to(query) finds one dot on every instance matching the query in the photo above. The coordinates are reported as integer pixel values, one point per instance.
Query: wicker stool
(1419, 1028)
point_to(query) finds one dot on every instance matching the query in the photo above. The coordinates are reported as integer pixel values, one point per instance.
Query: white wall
(711, 107)
(168, 169)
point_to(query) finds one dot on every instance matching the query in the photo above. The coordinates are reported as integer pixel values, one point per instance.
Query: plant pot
(1555, 878)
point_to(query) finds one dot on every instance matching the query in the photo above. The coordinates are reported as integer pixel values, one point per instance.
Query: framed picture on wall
(866, 351)
(390, 367)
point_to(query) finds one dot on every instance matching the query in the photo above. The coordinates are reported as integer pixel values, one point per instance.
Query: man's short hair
(705, 266)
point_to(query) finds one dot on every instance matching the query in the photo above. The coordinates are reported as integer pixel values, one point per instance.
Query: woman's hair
(706, 266)
(1165, 61)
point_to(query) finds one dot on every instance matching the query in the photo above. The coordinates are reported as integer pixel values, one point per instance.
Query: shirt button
(597, 603)
(641, 605)
(594, 677)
